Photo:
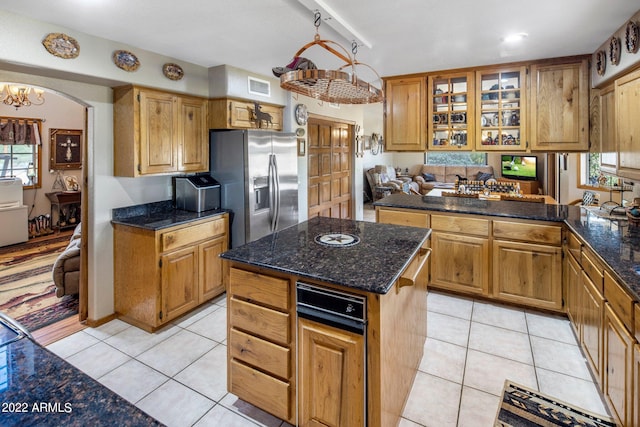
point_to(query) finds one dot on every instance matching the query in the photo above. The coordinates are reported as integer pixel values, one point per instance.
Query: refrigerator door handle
(277, 192)
(272, 194)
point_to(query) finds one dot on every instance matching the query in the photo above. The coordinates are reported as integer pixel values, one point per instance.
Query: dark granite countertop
(372, 265)
(158, 215)
(614, 241)
(510, 209)
(41, 389)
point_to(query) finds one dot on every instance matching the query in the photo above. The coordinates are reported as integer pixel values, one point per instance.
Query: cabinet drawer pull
(411, 280)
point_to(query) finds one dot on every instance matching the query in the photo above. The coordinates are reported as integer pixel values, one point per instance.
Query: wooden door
(331, 372)
(157, 132)
(460, 262)
(404, 123)
(592, 321)
(179, 273)
(528, 274)
(560, 106)
(193, 135)
(211, 268)
(618, 377)
(628, 126)
(330, 154)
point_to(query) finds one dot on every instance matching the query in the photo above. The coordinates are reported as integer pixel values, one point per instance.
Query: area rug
(523, 407)
(27, 291)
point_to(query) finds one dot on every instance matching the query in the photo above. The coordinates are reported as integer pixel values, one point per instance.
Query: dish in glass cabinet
(614, 50)
(125, 60)
(601, 62)
(172, 71)
(631, 37)
(61, 45)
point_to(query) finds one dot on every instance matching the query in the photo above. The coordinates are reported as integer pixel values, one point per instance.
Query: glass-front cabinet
(450, 121)
(500, 119)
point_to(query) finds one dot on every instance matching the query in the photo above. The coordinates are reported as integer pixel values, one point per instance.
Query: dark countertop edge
(132, 222)
(383, 291)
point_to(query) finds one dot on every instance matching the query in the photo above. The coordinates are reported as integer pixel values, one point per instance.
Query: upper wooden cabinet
(159, 132)
(501, 109)
(404, 114)
(450, 103)
(225, 113)
(560, 106)
(627, 94)
(608, 144)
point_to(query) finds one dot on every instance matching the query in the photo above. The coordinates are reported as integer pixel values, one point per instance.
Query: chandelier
(334, 86)
(18, 96)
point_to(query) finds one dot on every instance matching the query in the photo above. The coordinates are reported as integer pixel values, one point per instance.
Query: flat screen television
(519, 167)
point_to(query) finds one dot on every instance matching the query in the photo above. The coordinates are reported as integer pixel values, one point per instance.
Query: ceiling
(406, 36)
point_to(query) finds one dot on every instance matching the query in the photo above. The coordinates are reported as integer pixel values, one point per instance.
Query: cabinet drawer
(189, 235)
(574, 245)
(620, 301)
(270, 324)
(255, 351)
(593, 268)
(260, 288)
(414, 219)
(478, 227)
(262, 390)
(534, 233)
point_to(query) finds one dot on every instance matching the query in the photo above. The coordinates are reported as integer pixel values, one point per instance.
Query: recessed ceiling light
(513, 38)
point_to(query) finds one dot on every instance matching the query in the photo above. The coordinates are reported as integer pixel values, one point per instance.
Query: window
(591, 175)
(452, 158)
(22, 161)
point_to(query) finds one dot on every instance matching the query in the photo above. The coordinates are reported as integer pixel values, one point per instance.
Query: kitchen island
(303, 370)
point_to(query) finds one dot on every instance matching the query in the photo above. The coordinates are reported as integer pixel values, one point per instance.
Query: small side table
(382, 192)
(65, 209)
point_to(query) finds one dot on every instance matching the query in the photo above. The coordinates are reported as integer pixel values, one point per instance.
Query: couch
(385, 176)
(66, 268)
(429, 177)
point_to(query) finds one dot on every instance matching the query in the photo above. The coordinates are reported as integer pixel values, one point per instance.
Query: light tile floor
(178, 375)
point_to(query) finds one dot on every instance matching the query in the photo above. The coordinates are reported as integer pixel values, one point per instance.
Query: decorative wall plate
(631, 37)
(172, 71)
(302, 115)
(614, 50)
(125, 60)
(601, 62)
(61, 45)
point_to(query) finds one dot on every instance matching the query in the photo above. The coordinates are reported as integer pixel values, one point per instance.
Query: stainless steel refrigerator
(258, 174)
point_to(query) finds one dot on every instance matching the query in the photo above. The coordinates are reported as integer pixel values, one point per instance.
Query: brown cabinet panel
(618, 375)
(263, 354)
(211, 284)
(560, 106)
(466, 225)
(260, 288)
(158, 145)
(179, 281)
(532, 233)
(628, 126)
(331, 372)
(528, 274)
(270, 324)
(621, 302)
(241, 114)
(404, 122)
(264, 391)
(592, 322)
(400, 217)
(460, 262)
(636, 385)
(190, 235)
(193, 136)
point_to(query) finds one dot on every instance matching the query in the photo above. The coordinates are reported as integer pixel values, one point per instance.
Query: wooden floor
(57, 331)
(63, 328)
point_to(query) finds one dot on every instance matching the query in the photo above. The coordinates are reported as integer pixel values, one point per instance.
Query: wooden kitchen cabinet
(404, 115)
(158, 132)
(227, 113)
(261, 350)
(451, 111)
(608, 143)
(460, 260)
(331, 371)
(592, 326)
(559, 106)
(574, 292)
(627, 93)
(528, 274)
(618, 362)
(501, 112)
(175, 269)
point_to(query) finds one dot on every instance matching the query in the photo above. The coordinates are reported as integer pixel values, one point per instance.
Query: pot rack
(335, 86)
